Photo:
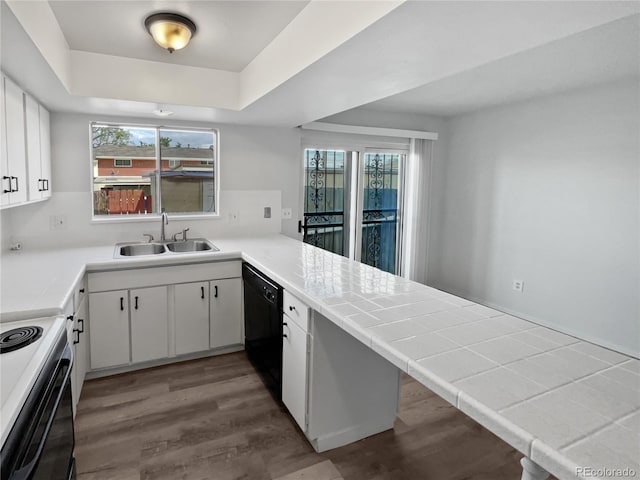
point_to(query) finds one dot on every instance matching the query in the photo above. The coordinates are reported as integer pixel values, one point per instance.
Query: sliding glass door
(323, 224)
(353, 204)
(379, 211)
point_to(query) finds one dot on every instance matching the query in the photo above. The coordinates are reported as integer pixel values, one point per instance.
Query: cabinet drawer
(296, 310)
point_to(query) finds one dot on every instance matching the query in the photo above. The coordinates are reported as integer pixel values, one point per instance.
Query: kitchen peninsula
(487, 364)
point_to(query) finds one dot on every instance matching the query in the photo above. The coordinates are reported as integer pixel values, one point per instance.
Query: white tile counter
(570, 406)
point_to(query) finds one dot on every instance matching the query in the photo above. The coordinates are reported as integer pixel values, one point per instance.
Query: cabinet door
(149, 324)
(32, 120)
(16, 153)
(45, 151)
(5, 181)
(294, 371)
(109, 313)
(81, 352)
(226, 312)
(192, 317)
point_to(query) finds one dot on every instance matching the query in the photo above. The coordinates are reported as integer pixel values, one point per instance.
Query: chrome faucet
(164, 220)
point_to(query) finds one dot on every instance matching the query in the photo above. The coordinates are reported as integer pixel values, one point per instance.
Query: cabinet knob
(77, 339)
(81, 290)
(121, 303)
(291, 308)
(215, 290)
(202, 292)
(81, 323)
(70, 318)
(285, 335)
(136, 305)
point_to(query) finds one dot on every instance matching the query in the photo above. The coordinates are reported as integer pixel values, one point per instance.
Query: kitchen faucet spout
(164, 220)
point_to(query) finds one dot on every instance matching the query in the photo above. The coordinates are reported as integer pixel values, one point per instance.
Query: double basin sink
(199, 245)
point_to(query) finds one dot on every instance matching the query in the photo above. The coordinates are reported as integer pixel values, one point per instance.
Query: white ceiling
(423, 57)
(229, 33)
(601, 54)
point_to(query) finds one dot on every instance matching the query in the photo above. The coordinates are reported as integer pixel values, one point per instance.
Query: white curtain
(416, 221)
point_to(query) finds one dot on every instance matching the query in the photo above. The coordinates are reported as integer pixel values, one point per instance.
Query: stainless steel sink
(196, 245)
(137, 249)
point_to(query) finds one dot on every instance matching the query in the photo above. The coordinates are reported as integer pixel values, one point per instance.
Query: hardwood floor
(213, 419)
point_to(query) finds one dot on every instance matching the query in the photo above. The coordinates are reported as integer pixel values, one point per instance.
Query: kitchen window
(140, 171)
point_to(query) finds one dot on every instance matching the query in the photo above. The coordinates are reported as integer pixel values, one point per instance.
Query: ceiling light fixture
(170, 30)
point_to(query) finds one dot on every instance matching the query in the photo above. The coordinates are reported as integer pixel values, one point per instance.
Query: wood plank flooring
(213, 419)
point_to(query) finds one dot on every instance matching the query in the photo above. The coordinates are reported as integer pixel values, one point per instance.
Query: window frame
(116, 160)
(153, 217)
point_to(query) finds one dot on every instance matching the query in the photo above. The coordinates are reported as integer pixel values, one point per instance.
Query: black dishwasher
(263, 326)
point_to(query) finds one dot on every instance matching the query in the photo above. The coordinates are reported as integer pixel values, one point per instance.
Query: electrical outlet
(267, 212)
(287, 213)
(58, 222)
(518, 285)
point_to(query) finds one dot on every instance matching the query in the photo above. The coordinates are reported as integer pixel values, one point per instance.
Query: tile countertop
(570, 406)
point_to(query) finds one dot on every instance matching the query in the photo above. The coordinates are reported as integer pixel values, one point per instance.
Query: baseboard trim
(162, 361)
(350, 435)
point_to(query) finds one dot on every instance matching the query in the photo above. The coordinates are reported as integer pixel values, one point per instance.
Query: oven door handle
(26, 472)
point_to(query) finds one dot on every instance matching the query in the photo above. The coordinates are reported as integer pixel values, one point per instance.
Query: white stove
(20, 368)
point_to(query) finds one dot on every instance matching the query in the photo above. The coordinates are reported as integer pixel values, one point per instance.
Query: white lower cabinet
(149, 324)
(192, 317)
(337, 389)
(128, 326)
(149, 314)
(109, 339)
(80, 349)
(226, 312)
(294, 370)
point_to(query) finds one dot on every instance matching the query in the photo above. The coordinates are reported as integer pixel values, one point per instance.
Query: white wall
(259, 167)
(546, 191)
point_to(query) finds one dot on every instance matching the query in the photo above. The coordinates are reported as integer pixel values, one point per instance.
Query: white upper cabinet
(45, 151)
(5, 183)
(14, 170)
(25, 163)
(38, 149)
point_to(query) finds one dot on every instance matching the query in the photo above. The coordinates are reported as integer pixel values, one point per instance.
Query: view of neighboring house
(125, 179)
